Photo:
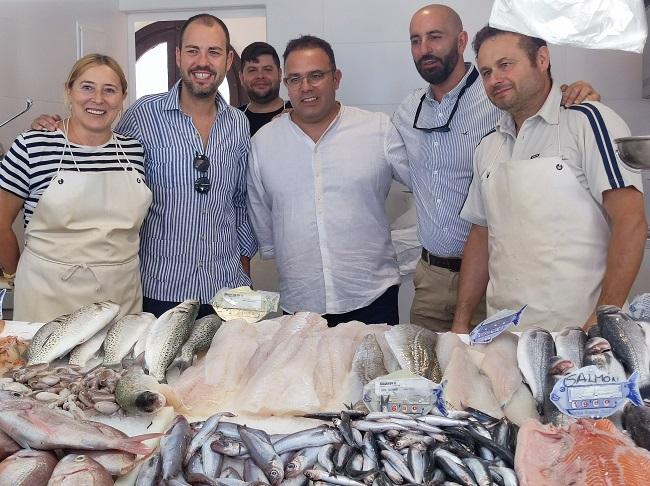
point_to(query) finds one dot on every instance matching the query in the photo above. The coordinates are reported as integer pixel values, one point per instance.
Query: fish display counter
(289, 400)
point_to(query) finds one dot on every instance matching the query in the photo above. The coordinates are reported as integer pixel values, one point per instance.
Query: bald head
(442, 15)
(438, 42)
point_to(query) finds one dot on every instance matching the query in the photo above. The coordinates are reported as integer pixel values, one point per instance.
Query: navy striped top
(191, 243)
(33, 159)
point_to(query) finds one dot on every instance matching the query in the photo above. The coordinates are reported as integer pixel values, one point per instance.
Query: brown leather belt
(452, 264)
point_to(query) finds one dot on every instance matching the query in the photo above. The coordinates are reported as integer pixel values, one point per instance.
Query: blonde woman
(84, 197)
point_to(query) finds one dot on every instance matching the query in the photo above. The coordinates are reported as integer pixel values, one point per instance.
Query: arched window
(155, 52)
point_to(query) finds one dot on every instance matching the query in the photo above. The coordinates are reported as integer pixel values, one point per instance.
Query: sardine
(167, 335)
(209, 426)
(74, 329)
(150, 472)
(79, 470)
(27, 468)
(264, 455)
(122, 336)
(314, 437)
(199, 340)
(173, 447)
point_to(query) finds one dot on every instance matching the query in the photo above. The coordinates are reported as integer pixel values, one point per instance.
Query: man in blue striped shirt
(558, 222)
(441, 125)
(197, 237)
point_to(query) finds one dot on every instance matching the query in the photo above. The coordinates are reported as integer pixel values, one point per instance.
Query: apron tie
(72, 270)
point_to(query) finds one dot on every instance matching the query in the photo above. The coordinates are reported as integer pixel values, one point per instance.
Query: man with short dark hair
(441, 125)
(557, 220)
(317, 186)
(260, 74)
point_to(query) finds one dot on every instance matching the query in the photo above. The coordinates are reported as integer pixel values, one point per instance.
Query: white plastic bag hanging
(594, 24)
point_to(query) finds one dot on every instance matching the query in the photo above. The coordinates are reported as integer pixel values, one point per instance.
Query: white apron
(547, 243)
(82, 243)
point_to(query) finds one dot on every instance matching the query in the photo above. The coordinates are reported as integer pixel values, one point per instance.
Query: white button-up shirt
(318, 208)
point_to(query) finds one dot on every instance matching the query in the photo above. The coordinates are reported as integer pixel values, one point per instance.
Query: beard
(438, 74)
(197, 91)
(263, 98)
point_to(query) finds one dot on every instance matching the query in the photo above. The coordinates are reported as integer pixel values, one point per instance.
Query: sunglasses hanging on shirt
(202, 185)
(446, 127)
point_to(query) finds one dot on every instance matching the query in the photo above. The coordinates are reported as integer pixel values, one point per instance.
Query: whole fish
(138, 393)
(209, 426)
(626, 338)
(41, 336)
(167, 335)
(559, 367)
(173, 447)
(570, 344)
(79, 470)
(414, 348)
(598, 352)
(122, 336)
(74, 329)
(150, 473)
(7, 446)
(301, 461)
(264, 455)
(86, 351)
(636, 421)
(34, 425)
(27, 468)
(315, 437)
(200, 339)
(534, 352)
(368, 360)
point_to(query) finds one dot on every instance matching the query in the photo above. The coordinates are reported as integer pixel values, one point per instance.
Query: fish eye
(274, 473)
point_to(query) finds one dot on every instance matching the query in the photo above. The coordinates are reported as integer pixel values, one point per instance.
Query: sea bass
(167, 335)
(414, 347)
(636, 421)
(74, 329)
(570, 344)
(123, 335)
(80, 470)
(137, 392)
(626, 338)
(200, 339)
(534, 352)
(34, 425)
(27, 468)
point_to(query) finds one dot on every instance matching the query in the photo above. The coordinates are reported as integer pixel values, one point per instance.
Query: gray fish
(570, 344)
(626, 339)
(41, 336)
(301, 461)
(167, 335)
(598, 352)
(27, 468)
(558, 368)
(150, 472)
(173, 447)
(79, 470)
(325, 457)
(454, 467)
(636, 421)
(209, 426)
(534, 352)
(212, 461)
(479, 470)
(74, 329)
(199, 340)
(264, 455)
(417, 458)
(414, 348)
(138, 393)
(368, 361)
(88, 350)
(317, 475)
(252, 472)
(122, 336)
(315, 437)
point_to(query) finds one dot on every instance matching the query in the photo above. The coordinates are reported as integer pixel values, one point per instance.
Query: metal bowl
(634, 151)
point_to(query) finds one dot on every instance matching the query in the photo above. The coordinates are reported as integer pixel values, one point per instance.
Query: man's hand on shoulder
(46, 123)
(577, 92)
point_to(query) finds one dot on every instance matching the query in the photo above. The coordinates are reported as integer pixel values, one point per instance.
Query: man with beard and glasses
(317, 185)
(196, 238)
(440, 126)
(557, 220)
(260, 75)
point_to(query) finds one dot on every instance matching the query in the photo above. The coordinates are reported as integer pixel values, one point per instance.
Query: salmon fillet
(589, 453)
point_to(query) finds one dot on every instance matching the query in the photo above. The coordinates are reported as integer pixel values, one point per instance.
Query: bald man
(441, 125)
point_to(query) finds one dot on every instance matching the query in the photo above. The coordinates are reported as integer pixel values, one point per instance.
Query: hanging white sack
(594, 24)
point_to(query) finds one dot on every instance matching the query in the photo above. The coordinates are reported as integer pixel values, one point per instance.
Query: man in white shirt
(317, 186)
(557, 221)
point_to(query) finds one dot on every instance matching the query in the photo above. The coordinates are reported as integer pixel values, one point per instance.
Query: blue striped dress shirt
(441, 162)
(190, 242)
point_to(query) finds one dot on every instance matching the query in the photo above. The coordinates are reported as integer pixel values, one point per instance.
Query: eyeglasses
(202, 164)
(446, 127)
(313, 78)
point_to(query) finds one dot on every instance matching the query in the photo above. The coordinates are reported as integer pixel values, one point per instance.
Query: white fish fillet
(445, 346)
(465, 387)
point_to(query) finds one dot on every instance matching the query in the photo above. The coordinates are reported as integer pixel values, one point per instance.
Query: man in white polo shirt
(557, 220)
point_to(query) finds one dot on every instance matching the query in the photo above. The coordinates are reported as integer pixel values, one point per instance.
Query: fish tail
(134, 444)
(633, 389)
